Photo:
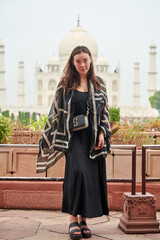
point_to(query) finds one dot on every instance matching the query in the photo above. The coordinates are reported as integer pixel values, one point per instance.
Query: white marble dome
(101, 61)
(53, 61)
(78, 36)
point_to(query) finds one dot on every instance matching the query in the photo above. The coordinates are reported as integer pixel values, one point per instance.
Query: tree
(34, 116)
(24, 117)
(13, 117)
(115, 114)
(155, 101)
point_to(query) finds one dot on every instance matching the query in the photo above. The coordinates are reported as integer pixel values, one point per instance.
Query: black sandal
(85, 235)
(71, 233)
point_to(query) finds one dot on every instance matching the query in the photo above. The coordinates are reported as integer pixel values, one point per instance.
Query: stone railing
(19, 160)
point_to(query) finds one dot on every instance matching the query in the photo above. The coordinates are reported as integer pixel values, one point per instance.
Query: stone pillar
(21, 84)
(152, 74)
(136, 93)
(2, 77)
(139, 214)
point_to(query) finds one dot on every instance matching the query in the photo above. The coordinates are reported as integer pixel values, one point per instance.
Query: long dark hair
(70, 78)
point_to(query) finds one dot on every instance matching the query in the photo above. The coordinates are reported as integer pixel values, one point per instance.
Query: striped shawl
(57, 136)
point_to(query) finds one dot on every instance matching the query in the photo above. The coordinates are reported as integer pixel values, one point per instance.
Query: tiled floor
(53, 225)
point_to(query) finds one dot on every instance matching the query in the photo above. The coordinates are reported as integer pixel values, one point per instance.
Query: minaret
(2, 77)
(21, 84)
(136, 93)
(152, 74)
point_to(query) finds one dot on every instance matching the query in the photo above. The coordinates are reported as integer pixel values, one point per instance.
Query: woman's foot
(74, 229)
(86, 232)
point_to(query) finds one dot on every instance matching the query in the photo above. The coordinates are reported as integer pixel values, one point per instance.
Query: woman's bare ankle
(73, 219)
(80, 218)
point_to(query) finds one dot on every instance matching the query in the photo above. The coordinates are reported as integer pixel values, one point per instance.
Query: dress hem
(85, 215)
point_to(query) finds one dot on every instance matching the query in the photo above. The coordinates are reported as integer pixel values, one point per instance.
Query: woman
(84, 188)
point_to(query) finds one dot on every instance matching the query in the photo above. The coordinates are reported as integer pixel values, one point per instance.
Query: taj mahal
(46, 80)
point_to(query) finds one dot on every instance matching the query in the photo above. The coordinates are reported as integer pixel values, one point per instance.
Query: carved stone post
(139, 214)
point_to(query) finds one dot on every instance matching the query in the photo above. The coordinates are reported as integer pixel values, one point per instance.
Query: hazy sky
(123, 29)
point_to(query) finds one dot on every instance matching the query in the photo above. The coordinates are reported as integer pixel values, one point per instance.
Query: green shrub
(5, 113)
(127, 136)
(27, 118)
(115, 114)
(38, 125)
(6, 128)
(135, 132)
(20, 117)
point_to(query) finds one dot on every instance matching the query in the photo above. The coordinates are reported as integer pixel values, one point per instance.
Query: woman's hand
(100, 141)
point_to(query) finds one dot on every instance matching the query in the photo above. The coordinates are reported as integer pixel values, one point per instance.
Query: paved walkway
(53, 225)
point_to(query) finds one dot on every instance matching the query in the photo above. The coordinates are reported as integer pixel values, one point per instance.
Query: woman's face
(82, 62)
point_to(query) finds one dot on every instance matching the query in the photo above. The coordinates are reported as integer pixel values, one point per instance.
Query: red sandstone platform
(48, 194)
(53, 225)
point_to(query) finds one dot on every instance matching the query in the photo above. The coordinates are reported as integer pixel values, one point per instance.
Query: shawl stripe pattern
(57, 136)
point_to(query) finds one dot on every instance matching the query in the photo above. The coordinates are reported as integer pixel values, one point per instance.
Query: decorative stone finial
(78, 21)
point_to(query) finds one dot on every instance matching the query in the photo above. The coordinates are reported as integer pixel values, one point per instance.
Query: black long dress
(84, 188)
